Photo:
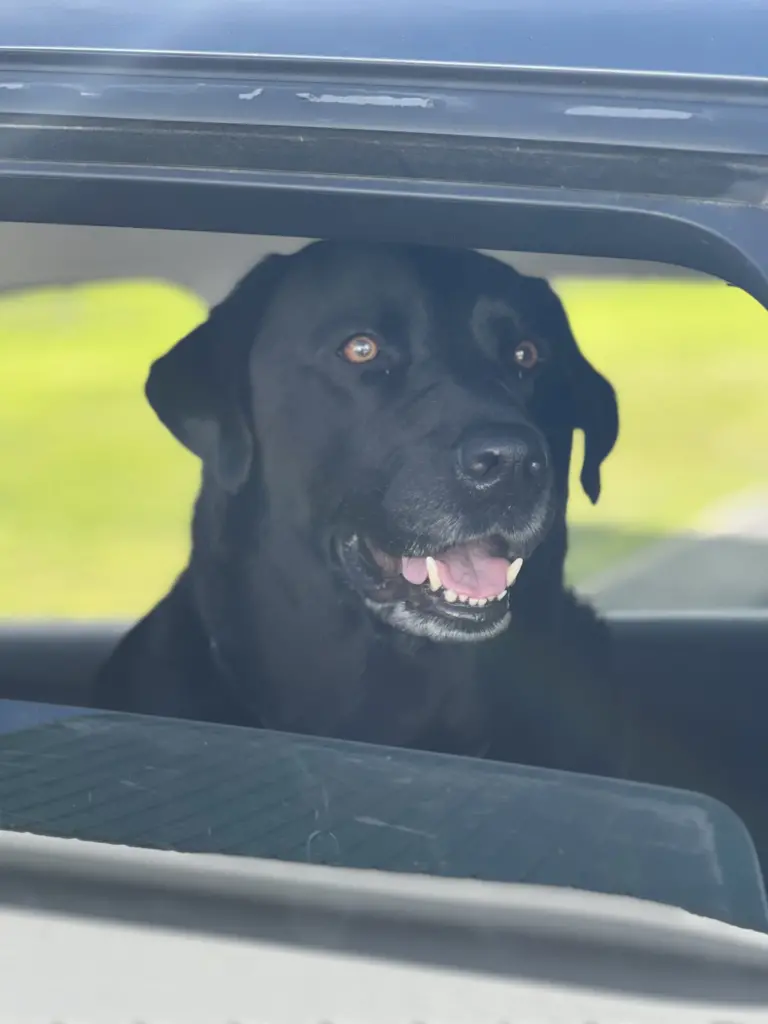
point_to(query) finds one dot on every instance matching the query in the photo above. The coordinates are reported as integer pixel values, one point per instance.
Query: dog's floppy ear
(590, 398)
(596, 413)
(198, 389)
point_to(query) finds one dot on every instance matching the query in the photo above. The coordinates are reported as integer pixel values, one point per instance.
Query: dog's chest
(430, 699)
(374, 692)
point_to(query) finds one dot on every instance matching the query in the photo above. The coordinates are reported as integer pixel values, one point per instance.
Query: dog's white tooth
(513, 571)
(501, 596)
(450, 595)
(463, 598)
(474, 602)
(482, 601)
(434, 575)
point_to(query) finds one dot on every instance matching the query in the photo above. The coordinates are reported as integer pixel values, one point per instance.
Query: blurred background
(95, 495)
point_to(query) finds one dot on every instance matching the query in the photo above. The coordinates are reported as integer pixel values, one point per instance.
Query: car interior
(692, 655)
(191, 838)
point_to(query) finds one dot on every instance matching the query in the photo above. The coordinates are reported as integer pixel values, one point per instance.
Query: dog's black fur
(320, 473)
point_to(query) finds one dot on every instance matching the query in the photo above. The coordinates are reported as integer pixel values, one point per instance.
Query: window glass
(682, 522)
(95, 506)
(95, 496)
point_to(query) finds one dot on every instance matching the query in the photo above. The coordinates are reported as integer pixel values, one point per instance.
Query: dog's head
(406, 411)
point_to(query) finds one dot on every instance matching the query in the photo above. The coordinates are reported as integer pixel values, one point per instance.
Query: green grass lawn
(95, 494)
(689, 361)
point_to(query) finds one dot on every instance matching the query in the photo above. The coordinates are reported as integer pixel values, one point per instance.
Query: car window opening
(385, 432)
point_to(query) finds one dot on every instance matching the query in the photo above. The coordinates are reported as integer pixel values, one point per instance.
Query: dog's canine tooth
(501, 596)
(513, 571)
(450, 595)
(434, 575)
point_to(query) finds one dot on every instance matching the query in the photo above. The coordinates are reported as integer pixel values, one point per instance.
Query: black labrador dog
(378, 543)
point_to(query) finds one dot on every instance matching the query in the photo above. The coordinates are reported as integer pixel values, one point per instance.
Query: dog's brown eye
(360, 349)
(526, 355)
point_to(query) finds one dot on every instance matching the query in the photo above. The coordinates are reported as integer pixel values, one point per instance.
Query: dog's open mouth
(459, 593)
(467, 573)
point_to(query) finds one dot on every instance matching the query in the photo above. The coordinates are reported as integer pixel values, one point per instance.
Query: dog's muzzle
(459, 590)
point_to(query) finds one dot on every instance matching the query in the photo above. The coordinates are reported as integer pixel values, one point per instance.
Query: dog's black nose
(489, 457)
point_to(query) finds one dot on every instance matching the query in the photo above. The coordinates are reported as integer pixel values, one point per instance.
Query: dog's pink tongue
(415, 570)
(469, 569)
(466, 569)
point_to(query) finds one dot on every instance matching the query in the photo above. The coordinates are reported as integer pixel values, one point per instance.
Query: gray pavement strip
(720, 563)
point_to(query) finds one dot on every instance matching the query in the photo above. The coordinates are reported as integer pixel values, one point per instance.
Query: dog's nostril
(482, 464)
(487, 457)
